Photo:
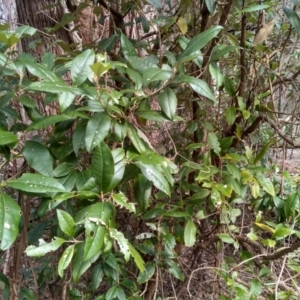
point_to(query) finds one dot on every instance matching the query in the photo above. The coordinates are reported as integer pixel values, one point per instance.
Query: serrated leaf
(189, 233)
(213, 143)
(35, 183)
(127, 47)
(66, 222)
(103, 166)
(122, 242)
(7, 138)
(44, 248)
(122, 200)
(80, 68)
(231, 115)
(199, 41)
(153, 174)
(10, 216)
(41, 71)
(256, 287)
(38, 157)
(65, 100)
(168, 102)
(97, 276)
(142, 192)
(78, 137)
(97, 129)
(136, 141)
(54, 87)
(65, 260)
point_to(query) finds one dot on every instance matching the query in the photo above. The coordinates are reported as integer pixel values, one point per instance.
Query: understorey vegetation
(151, 163)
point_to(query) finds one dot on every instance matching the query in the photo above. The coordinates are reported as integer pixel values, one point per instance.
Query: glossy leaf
(47, 121)
(213, 143)
(35, 183)
(292, 204)
(96, 130)
(168, 102)
(80, 68)
(199, 86)
(123, 201)
(154, 74)
(136, 140)
(44, 248)
(7, 138)
(65, 100)
(153, 174)
(190, 233)
(174, 269)
(65, 260)
(199, 41)
(38, 157)
(103, 166)
(122, 242)
(293, 18)
(65, 222)
(142, 192)
(10, 216)
(266, 184)
(54, 87)
(127, 47)
(97, 276)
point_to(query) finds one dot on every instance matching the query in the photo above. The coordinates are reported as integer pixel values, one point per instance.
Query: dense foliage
(128, 161)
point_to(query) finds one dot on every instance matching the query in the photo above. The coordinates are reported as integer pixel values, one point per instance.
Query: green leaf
(78, 137)
(137, 258)
(35, 183)
(216, 74)
(261, 154)
(127, 47)
(65, 260)
(154, 74)
(141, 64)
(44, 248)
(293, 18)
(254, 7)
(292, 204)
(134, 137)
(136, 78)
(152, 115)
(7, 138)
(27, 294)
(99, 68)
(229, 86)
(226, 238)
(122, 200)
(25, 30)
(174, 269)
(48, 59)
(230, 115)
(97, 276)
(47, 121)
(5, 287)
(38, 157)
(80, 68)
(256, 287)
(220, 51)
(199, 86)
(213, 143)
(156, 4)
(168, 102)
(211, 5)
(54, 87)
(79, 266)
(153, 174)
(96, 130)
(147, 273)
(142, 192)
(10, 215)
(199, 41)
(266, 184)
(64, 169)
(41, 71)
(190, 233)
(282, 232)
(65, 100)
(65, 222)
(122, 242)
(103, 166)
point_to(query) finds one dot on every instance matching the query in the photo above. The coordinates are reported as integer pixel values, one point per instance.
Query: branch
(118, 17)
